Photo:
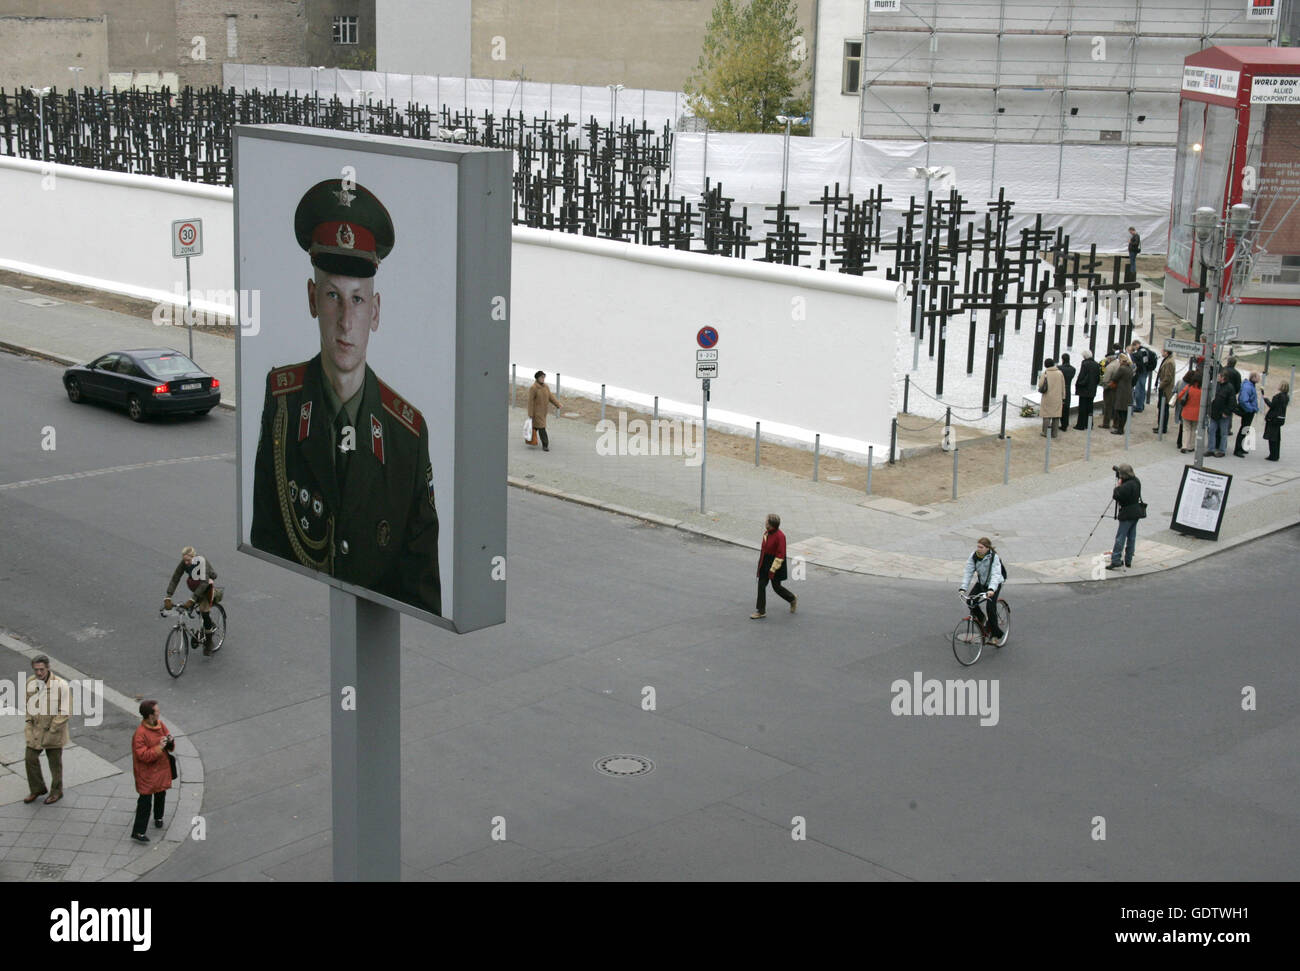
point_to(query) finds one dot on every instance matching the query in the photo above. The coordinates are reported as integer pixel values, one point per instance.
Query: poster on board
(1201, 503)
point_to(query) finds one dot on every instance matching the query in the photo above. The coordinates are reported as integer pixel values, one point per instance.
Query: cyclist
(985, 568)
(198, 575)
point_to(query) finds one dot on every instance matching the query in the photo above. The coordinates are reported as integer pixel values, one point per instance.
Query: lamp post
(786, 120)
(1211, 237)
(926, 172)
(40, 96)
(614, 89)
(314, 71)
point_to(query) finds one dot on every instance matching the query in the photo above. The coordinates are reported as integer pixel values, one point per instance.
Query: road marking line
(116, 468)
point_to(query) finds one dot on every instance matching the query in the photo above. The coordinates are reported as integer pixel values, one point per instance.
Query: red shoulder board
(406, 413)
(282, 380)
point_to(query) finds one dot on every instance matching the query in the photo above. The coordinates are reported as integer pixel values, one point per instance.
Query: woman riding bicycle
(985, 568)
(198, 574)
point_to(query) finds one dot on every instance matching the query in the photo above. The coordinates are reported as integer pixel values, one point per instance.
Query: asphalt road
(1119, 703)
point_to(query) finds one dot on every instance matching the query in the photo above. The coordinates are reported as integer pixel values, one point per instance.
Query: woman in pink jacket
(153, 770)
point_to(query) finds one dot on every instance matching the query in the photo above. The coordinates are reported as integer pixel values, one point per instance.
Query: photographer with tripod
(1129, 508)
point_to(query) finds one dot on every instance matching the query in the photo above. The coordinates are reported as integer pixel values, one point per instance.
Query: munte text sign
(371, 446)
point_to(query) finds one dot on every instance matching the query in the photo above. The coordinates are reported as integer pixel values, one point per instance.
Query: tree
(753, 62)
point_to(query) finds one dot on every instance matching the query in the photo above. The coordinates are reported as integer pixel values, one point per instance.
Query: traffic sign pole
(189, 313)
(704, 442)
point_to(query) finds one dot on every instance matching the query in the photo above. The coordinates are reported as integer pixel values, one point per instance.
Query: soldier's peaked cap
(343, 227)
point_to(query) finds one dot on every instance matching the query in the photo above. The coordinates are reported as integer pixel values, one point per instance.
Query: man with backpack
(985, 569)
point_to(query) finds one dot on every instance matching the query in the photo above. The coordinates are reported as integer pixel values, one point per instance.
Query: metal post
(1003, 432)
(189, 311)
(817, 453)
(602, 402)
(907, 387)
(656, 415)
(1087, 441)
(557, 384)
(1161, 405)
(954, 472)
(757, 430)
(1047, 451)
(514, 387)
(947, 424)
(1268, 352)
(870, 463)
(893, 438)
(1128, 424)
(365, 738)
(704, 441)
(1006, 465)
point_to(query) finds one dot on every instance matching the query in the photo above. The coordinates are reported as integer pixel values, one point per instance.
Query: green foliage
(753, 67)
(362, 59)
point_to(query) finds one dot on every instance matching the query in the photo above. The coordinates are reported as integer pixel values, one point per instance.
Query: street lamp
(614, 89)
(40, 95)
(453, 134)
(926, 172)
(786, 120)
(314, 71)
(1211, 237)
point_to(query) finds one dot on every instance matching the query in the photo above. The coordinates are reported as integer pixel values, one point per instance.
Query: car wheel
(74, 390)
(134, 408)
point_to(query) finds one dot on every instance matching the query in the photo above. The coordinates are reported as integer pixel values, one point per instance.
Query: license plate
(191, 385)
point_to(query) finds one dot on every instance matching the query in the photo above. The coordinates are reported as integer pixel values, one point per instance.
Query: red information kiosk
(1239, 141)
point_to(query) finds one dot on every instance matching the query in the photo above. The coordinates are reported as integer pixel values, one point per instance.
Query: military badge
(304, 496)
(345, 237)
(304, 420)
(383, 534)
(428, 475)
(377, 438)
(317, 505)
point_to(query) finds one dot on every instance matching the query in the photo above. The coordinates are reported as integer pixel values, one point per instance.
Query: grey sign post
(465, 253)
(706, 369)
(187, 241)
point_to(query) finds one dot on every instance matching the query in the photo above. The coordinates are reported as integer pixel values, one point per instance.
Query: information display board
(1201, 503)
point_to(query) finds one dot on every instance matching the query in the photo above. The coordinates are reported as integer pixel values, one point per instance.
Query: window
(852, 67)
(345, 30)
(232, 36)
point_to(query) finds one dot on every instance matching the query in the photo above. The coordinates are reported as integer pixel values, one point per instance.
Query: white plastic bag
(528, 431)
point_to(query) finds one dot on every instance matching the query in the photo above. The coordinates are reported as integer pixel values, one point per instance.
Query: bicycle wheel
(218, 615)
(1004, 618)
(967, 641)
(176, 652)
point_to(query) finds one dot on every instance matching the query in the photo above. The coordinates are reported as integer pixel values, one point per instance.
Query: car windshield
(169, 365)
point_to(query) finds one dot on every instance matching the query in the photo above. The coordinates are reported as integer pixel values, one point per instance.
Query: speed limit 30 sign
(187, 237)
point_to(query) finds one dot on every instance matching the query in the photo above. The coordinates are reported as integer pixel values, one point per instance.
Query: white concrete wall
(798, 347)
(834, 114)
(423, 36)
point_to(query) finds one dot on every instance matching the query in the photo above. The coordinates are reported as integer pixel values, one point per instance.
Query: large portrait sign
(372, 415)
(1201, 503)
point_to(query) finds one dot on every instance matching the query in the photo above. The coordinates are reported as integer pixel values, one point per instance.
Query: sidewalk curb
(228, 405)
(188, 788)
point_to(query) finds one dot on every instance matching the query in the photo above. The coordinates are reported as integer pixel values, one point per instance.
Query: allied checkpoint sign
(1201, 503)
(373, 349)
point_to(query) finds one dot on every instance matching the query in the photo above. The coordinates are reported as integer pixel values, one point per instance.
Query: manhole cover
(49, 871)
(622, 765)
(40, 302)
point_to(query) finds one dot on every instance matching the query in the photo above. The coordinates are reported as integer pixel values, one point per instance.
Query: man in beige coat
(539, 398)
(1052, 385)
(48, 709)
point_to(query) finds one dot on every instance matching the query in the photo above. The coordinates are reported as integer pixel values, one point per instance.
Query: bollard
(954, 473)
(1047, 450)
(557, 384)
(514, 387)
(1268, 351)
(893, 438)
(1128, 423)
(1003, 432)
(756, 430)
(656, 407)
(602, 402)
(947, 424)
(1293, 375)
(817, 453)
(907, 387)
(1006, 466)
(1087, 441)
(1161, 405)
(870, 450)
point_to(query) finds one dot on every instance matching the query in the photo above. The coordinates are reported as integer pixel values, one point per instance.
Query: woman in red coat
(1190, 400)
(771, 566)
(153, 770)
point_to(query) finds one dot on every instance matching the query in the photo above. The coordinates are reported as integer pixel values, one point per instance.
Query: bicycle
(970, 634)
(187, 633)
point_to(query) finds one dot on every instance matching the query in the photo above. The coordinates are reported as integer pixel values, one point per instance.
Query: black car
(153, 381)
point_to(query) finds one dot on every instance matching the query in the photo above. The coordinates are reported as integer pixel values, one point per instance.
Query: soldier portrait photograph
(345, 462)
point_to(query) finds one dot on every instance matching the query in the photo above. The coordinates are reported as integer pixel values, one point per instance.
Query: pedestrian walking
(1086, 387)
(49, 707)
(1189, 405)
(1123, 393)
(1067, 373)
(1052, 386)
(1134, 248)
(772, 568)
(1129, 508)
(539, 400)
(1165, 391)
(1275, 419)
(1247, 407)
(152, 761)
(1221, 408)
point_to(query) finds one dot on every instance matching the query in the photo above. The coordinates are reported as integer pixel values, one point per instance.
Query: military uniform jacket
(379, 529)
